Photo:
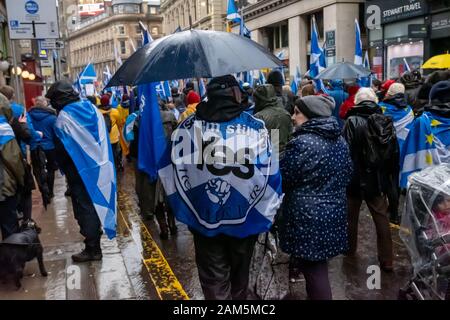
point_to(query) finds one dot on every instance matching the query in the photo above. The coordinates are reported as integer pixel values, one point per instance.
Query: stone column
(341, 17)
(217, 22)
(298, 39)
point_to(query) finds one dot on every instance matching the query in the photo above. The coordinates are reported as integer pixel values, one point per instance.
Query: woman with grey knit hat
(313, 225)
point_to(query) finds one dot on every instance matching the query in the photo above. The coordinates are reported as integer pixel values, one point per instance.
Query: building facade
(113, 35)
(412, 29)
(200, 14)
(284, 27)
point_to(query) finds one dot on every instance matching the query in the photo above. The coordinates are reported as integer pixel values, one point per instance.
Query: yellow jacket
(114, 116)
(190, 109)
(123, 114)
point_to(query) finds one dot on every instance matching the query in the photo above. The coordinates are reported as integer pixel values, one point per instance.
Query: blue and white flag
(243, 30)
(106, 75)
(128, 132)
(152, 140)
(366, 62)
(427, 144)
(6, 132)
(296, 80)
(222, 178)
(403, 121)
(201, 88)
(358, 45)
(178, 29)
(82, 130)
(88, 75)
(262, 78)
(146, 37)
(317, 57)
(406, 67)
(232, 12)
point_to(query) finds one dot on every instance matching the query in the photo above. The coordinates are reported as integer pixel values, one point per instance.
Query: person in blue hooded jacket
(316, 170)
(43, 119)
(339, 95)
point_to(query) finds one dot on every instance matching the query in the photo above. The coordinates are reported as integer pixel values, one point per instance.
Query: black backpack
(108, 122)
(379, 142)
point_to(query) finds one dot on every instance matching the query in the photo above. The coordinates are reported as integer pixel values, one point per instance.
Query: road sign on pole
(32, 19)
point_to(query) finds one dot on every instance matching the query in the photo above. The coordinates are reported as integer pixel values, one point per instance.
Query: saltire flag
(175, 84)
(82, 130)
(146, 37)
(317, 57)
(88, 75)
(6, 132)
(232, 12)
(296, 80)
(403, 119)
(366, 62)
(262, 78)
(117, 57)
(238, 200)
(128, 132)
(106, 75)
(358, 60)
(201, 88)
(427, 144)
(132, 44)
(177, 29)
(406, 67)
(152, 140)
(243, 30)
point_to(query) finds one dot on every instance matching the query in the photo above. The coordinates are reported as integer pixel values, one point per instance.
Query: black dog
(20, 248)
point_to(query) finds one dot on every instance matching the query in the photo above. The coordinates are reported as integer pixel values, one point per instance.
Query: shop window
(284, 36)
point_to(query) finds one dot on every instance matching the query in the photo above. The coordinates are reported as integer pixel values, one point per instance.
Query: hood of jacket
(398, 100)
(220, 107)
(265, 97)
(364, 109)
(441, 109)
(326, 127)
(40, 113)
(105, 111)
(61, 94)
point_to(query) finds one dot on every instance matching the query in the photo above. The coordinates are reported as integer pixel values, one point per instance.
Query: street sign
(48, 44)
(32, 19)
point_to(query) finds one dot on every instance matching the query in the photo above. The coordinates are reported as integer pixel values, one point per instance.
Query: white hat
(365, 94)
(395, 88)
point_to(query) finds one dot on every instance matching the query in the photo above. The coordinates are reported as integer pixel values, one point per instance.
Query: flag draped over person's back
(427, 144)
(6, 132)
(87, 143)
(152, 140)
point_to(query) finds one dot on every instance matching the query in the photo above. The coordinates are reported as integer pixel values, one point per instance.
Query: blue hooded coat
(43, 119)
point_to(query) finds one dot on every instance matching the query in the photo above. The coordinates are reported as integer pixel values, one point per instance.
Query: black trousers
(223, 264)
(86, 216)
(51, 168)
(8, 217)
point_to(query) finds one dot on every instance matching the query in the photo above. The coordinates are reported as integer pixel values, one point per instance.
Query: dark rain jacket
(316, 170)
(367, 182)
(269, 109)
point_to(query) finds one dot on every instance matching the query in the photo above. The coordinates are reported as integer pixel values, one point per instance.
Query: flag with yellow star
(427, 144)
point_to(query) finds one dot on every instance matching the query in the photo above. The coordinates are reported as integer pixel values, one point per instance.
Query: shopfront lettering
(381, 12)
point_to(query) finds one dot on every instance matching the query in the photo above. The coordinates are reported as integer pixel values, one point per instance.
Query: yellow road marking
(166, 283)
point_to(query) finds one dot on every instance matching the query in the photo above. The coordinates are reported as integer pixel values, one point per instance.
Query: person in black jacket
(369, 183)
(62, 94)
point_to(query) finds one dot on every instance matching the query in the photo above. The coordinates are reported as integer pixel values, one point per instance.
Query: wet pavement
(138, 265)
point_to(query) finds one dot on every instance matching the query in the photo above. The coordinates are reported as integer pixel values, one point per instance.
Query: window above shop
(126, 8)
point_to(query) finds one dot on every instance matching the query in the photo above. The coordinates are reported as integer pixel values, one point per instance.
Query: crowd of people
(337, 148)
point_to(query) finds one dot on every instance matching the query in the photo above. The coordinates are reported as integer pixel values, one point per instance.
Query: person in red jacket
(350, 102)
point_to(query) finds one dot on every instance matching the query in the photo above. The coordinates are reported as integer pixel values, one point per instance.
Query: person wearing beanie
(312, 159)
(112, 120)
(224, 232)
(286, 98)
(371, 184)
(193, 99)
(270, 110)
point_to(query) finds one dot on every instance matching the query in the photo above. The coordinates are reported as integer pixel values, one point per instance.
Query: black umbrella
(344, 70)
(193, 54)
